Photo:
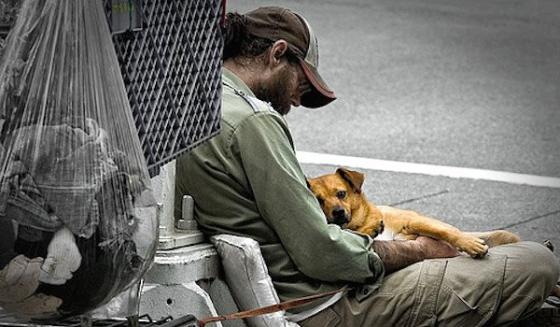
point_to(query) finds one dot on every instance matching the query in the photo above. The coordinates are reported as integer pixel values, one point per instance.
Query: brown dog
(341, 198)
(343, 202)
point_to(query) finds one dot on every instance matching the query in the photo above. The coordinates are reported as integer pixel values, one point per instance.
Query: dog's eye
(341, 194)
(321, 201)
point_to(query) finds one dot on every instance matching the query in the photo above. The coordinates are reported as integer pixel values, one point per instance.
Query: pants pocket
(457, 311)
(424, 308)
(470, 291)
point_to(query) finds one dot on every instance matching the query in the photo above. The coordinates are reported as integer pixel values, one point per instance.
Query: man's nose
(296, 100)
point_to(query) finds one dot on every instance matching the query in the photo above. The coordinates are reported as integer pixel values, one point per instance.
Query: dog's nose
(339, 216)
(338, 212)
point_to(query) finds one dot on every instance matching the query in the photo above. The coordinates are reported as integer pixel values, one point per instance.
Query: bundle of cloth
(67, 207)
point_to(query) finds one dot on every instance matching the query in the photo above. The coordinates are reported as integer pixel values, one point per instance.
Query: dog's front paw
(474, 246)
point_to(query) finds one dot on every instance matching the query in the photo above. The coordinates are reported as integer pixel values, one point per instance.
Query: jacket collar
(231, 80)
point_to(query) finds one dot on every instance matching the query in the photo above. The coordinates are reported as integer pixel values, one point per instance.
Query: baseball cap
(275, 23)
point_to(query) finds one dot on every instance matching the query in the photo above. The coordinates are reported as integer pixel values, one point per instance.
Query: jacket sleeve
(319, 250)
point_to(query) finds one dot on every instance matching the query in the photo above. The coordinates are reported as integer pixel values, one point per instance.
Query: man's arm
(317, 249)
(399, 254)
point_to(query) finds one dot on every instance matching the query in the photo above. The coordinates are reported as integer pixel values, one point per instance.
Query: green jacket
(246, 181)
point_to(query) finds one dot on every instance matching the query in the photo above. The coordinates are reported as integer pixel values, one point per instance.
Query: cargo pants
(510, 283)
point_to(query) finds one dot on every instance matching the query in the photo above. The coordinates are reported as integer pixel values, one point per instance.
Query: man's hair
(238, 42)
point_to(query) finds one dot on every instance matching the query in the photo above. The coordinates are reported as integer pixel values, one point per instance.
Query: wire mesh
(172, 73)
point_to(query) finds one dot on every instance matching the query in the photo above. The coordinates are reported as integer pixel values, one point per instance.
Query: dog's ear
(354, 178)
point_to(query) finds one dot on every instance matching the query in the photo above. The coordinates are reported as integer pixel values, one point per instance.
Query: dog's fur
(343, 202)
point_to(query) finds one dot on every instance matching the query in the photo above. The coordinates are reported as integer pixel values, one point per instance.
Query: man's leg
(530, 275)
(511, 282)
(385, 307)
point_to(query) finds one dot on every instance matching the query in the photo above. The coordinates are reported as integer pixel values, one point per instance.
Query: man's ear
(277, 51)
(354, 178)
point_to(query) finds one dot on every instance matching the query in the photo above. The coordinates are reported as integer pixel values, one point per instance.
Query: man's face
(284, 88)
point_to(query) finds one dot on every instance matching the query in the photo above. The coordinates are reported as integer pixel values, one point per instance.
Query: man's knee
(545, 263)
(531, 272)
(538, 258)
(530, 265)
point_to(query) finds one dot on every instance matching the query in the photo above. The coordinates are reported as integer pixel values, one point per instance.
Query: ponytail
(234, 32)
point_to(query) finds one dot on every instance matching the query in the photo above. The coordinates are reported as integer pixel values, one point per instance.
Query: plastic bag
(77, 217)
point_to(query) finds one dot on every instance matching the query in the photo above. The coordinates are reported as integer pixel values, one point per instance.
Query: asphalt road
(472, 84)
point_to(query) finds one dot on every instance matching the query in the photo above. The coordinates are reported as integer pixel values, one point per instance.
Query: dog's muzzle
(339, 216)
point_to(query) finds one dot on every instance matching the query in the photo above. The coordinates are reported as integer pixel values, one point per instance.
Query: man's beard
(276, 91)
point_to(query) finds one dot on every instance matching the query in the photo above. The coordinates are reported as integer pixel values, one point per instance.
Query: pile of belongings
(78, 219)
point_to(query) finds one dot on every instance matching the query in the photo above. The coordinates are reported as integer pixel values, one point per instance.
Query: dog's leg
(496, 237)
(409, 222)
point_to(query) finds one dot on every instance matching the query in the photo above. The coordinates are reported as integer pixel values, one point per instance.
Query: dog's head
(341, 198)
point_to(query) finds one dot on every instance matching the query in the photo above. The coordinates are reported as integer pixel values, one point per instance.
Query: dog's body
(344, 204)
(341, 198)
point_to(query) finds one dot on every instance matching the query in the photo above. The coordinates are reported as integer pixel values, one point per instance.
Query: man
(246, 181)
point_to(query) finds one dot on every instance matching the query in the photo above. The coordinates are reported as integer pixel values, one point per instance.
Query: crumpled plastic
(78, 219)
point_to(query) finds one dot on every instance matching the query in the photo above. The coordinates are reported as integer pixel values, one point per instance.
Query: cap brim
(320, 94)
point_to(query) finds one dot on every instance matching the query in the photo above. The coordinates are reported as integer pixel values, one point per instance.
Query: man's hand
(399, 254)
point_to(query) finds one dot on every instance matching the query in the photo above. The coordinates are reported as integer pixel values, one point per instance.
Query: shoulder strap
(272, 308)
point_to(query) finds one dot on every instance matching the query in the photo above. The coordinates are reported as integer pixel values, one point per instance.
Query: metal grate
(172, 72)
